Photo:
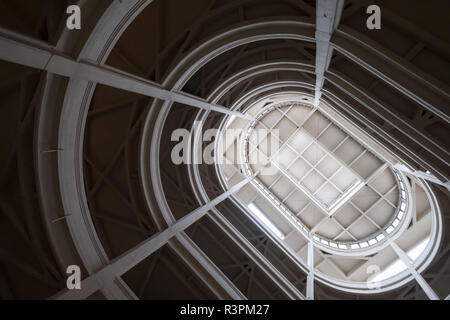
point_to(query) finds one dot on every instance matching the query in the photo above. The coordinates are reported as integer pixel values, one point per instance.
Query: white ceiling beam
(310, 278)
(328, 13)
(31, 53)
(118, 290)
(132, 257)
(100, 40)
(420, 280)
(424, 175)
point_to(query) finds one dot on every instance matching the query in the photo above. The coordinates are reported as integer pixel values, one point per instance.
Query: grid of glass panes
(380, 204)
(311, 153)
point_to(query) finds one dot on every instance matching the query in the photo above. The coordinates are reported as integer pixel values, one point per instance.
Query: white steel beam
(118, 290)
(202, 266)
(255, 255)
(420, 280)
(328, 14)
(132, 257)
(21, 50)
(424, 175)
(310, 278)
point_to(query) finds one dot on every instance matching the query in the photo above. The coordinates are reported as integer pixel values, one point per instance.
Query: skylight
(316, 170)
(327, 185)
(265, 221)
(329, 167)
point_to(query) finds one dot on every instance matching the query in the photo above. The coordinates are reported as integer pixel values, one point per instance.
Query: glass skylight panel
(363, 244)
(311, 153)
(265, 221)
(403, 206)
(380, 237)
(301, 141)
(395, 223)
